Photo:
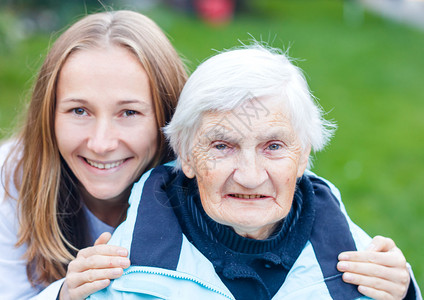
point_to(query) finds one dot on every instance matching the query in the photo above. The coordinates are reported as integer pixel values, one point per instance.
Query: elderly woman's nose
(103, 137)
(250, 171)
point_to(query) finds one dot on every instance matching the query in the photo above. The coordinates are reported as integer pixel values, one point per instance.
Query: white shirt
(14, 283)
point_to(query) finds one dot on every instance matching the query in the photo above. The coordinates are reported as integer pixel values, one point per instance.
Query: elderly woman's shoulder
(334, 190)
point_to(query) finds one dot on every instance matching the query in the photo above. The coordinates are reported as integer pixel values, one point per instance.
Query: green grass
(367, 73)
(18, 68)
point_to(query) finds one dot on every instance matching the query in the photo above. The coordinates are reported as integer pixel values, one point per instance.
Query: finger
(395, 275)
(100, 274)
(106, 250)
(77, 280)
(97, 262)
(87, 289)
(374, 293)
(381, 244)
(103, 262)
(103, 238)
(394, 258)
(375, 287)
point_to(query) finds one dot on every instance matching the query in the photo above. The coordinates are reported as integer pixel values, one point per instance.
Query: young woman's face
(105, 121)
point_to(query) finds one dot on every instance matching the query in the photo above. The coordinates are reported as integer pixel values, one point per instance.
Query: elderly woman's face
(246, 164)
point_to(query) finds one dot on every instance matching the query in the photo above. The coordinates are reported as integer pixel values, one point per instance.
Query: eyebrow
(221, 133)
(277, 134)
(120, 102)
(124, 102)
(82, 101)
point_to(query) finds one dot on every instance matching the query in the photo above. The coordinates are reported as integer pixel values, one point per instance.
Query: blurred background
(364, 61)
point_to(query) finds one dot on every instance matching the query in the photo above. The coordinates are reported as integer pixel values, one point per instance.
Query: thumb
(103, 238)
(381, 244)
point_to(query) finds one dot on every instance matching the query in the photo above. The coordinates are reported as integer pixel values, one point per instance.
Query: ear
(303, 161)
(187, 168)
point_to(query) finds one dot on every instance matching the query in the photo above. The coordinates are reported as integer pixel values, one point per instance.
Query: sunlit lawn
(367, 74)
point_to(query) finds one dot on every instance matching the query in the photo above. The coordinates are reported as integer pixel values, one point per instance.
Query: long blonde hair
(40, 175)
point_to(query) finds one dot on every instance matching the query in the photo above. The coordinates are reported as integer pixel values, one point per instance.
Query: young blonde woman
(107, 86)
(92, 128)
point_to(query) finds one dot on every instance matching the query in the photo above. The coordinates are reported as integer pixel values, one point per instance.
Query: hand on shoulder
(93, 268)
(380, 271)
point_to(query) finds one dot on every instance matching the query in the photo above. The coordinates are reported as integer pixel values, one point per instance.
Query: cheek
(210, 184)
(286, 192)
(59, 130)
(291, 165)
(145, 152)
(212, 205)
(202, 164)
(214, 178)
(144, 141)
(206, 193)
(283, 177)
(67, 137)
(201, 158)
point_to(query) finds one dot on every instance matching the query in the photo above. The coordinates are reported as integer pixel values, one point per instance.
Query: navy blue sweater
(251, 269)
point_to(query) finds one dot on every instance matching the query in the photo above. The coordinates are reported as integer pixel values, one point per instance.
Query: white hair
(234, 77)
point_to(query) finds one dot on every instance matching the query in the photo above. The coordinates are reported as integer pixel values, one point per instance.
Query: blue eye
(79, 111)
(130, 113)
(274, 147)
(221, 147)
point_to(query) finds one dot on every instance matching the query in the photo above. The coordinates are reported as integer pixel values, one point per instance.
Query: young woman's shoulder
(8, 211)
(9, 154)
(8, 216)
(11, 261)
(12, 264)
(8, 148)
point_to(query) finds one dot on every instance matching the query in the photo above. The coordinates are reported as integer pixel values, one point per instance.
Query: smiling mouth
(244, 196)
(104, 166)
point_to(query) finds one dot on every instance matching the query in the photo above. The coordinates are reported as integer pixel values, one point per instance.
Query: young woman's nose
(250, 172)
(103, 137)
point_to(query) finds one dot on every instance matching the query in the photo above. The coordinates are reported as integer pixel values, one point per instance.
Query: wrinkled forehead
(254, 118)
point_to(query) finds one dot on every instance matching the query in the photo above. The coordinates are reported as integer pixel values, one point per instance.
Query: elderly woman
(238, 217)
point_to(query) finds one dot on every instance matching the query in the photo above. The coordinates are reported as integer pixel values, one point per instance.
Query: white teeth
(104, 166)
(243, 196)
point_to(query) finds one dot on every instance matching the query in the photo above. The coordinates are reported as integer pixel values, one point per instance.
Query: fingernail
(342, 266)
(116, 272)
(343, 256)
(363, 289)
(347, 277)
(104, 283)
(124, 262)
(122, 252)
